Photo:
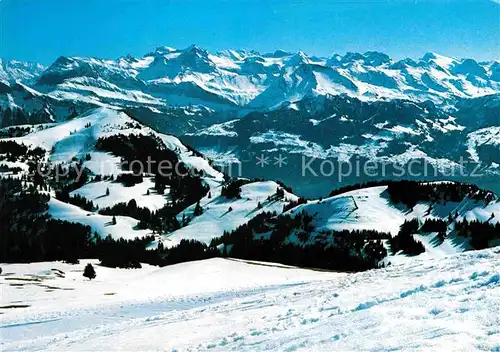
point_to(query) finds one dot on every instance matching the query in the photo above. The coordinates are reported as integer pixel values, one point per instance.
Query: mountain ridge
(236, 79)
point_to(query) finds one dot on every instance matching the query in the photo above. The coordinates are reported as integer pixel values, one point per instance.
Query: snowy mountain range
(17, 71)
(245, 80)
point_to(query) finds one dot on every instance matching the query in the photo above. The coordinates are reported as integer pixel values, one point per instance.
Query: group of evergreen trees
(28, 234)
(78, 200)
(14, 132)
(404, 240)
(162, 221)
(67, 178)
(434, 225)
(232, 188)
(341, 250)
(8, 168)
(129, 179)
(140, 148)
(412, 192)
(292, 204)
(480, 233)
(188, 250)
(122, 253)
(17, 151)
(357, 186)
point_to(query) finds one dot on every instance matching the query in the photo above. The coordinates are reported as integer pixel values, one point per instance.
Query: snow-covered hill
(74, 139)
(219, 305)
(125, 226)
(373, 209)
(73, 144)
(221, 214)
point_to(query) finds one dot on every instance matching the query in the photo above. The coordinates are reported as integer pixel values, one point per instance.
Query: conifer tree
(89, 271)
(198, 210)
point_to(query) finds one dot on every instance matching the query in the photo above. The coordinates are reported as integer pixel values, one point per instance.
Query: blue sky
(42, 30)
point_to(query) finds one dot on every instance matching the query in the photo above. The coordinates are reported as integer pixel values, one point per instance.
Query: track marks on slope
(419, 289)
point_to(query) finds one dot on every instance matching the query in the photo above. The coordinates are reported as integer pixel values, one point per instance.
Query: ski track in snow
(450, 303)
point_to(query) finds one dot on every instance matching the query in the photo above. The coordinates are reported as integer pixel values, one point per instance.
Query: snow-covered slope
(100, 224)
(220, 305)
(372, 209)
(368, 208)
(71, 142)
(76, 138)
(222, 214)
(143, 193)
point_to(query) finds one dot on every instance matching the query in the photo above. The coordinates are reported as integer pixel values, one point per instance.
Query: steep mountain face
(237, 80)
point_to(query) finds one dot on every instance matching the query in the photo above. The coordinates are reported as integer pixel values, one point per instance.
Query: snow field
(96, 192)
(224, 305)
